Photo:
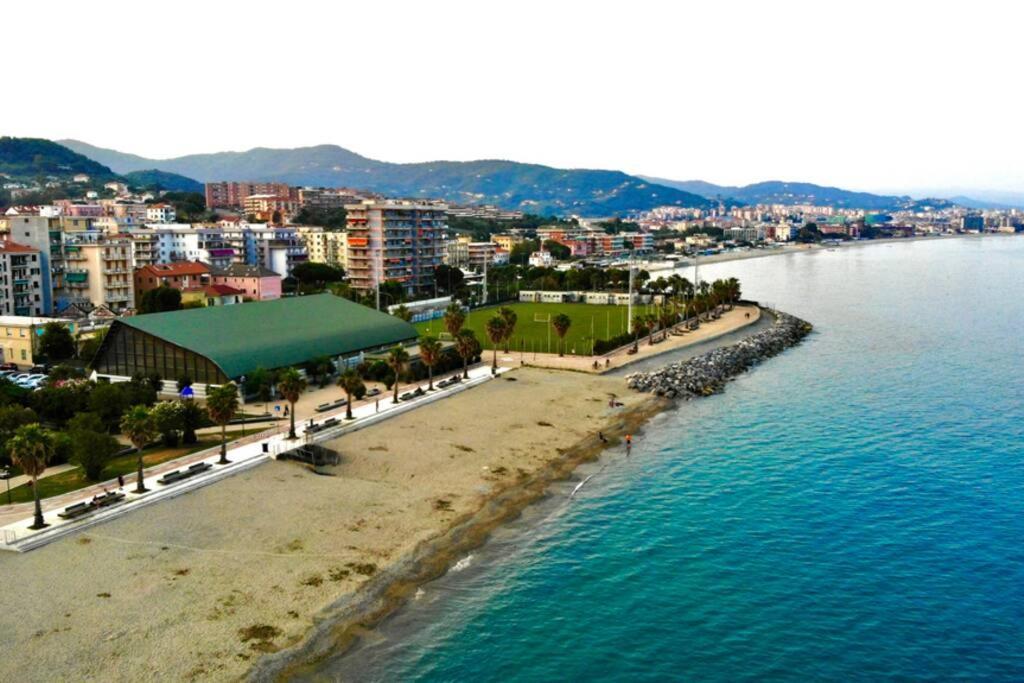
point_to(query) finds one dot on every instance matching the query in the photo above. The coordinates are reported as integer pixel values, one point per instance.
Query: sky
(881, 96)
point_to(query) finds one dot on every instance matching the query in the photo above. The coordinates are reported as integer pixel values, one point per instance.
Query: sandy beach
(202, 586)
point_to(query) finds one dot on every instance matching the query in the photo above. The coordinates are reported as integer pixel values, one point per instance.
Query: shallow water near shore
(851, 509)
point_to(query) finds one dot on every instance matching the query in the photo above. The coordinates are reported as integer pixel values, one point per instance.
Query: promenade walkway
(243, 453)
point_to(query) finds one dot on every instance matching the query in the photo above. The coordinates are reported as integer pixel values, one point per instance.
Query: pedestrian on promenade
(376, 406)
(120, 482)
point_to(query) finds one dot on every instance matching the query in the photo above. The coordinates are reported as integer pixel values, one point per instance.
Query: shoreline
(341, 625)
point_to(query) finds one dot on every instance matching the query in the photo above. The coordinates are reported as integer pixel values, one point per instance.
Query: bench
(178, 475)
(373, 392)
(76, 510)
(324, 407)
(329, 423)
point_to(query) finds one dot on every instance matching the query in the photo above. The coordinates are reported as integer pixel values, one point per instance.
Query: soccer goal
(541, 317)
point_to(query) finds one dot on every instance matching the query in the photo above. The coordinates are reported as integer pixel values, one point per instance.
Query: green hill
(29, 158)
(152, 179)
(528, 187)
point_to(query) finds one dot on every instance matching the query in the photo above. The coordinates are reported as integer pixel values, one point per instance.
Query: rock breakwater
(707, 374)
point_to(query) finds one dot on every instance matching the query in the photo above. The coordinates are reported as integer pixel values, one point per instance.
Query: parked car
(8, 366)
(40, 369)
(373, 392)
(35, 379)
(18, 377)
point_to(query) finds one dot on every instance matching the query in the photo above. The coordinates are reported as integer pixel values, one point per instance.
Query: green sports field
(534, 331)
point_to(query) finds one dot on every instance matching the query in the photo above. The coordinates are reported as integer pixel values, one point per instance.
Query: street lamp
(6, 475)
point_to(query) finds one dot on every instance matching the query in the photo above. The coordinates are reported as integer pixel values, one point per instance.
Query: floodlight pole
(629, 302)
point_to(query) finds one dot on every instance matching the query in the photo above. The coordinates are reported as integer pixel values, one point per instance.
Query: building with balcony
(44, 235)
(21, 280)
(161, 213)
(255, 282)
(99, 272)
(395, 240)
(324, 246)
(230, 195)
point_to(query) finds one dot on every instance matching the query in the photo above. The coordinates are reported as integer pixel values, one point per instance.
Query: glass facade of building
(127, 351)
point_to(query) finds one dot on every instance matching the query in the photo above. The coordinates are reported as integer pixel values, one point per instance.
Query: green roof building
(222, 343)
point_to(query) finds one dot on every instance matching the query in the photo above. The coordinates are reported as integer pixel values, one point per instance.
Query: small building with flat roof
(218, 344)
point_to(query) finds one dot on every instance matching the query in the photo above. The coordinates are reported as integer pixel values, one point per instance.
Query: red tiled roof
(8, 246)
(177, 268)
(222, 290)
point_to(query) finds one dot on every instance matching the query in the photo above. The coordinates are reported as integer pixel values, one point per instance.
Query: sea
(850, 510)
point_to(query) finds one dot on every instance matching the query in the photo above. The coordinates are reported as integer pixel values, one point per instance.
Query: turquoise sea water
(850, 510)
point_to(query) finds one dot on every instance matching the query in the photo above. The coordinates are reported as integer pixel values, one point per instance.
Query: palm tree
(31, 448)
(496, 328)
(466, 346)
(667, 316)
(639, 323)
(402, 312)
(222, 404)
(651, 322)
(398, 357)
(430, 354)
(561, 323)
(454, 319)
(137, 424)
(510, 323)
(352, 384)
(291, 384)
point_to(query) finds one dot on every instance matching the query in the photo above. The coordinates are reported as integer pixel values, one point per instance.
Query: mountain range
(532, 188)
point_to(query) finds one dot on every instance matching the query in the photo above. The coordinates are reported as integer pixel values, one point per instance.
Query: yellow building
(19, 337)
(324, 246)
(100, 272)
(506, 241)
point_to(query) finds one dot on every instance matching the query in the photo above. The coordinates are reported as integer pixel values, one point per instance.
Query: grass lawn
(73, 480)
(589, 322)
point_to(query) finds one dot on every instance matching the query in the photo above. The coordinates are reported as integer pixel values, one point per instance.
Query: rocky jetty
(707, 374)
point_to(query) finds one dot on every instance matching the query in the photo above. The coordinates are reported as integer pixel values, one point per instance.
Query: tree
(159, 300)
(260, 382)
(330, 218)
(352, 384)
(639, 323)
(168, 421)
(291, 384)
(398, 357)
(192, 417)
(466, 346)
(402, 312)
(108, 402)
(137, 425)
(56, 343)
(12, 417)
(454, 319)
(651, 322)
(320, 368)
(448, 279)
(430, 355)
(91, 445)
(222, 404)
(313, 276)
(510, 319)
(30, 449)
(496, 328)
(561, 323)
(558, 250)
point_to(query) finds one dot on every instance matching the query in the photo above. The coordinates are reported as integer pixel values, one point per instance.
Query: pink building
(255, 282)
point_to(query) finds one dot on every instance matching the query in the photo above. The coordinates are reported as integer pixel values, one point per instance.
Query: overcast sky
(866, 95)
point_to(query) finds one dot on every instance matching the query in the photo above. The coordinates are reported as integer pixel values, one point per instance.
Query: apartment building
(269, 207)
(457, 252)
(188, 277)
(507, 240)
(324, 246)
(21, 280)
(182, 242)
(160, 213)
(43, 234)
(400, 240)
(227, 195)
(254, 282)
(99, 272)
(327, 198)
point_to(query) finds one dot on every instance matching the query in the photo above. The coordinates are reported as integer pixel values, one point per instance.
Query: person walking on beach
(629, 443)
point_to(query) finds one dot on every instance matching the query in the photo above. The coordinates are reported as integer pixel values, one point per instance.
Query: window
(23, 355)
